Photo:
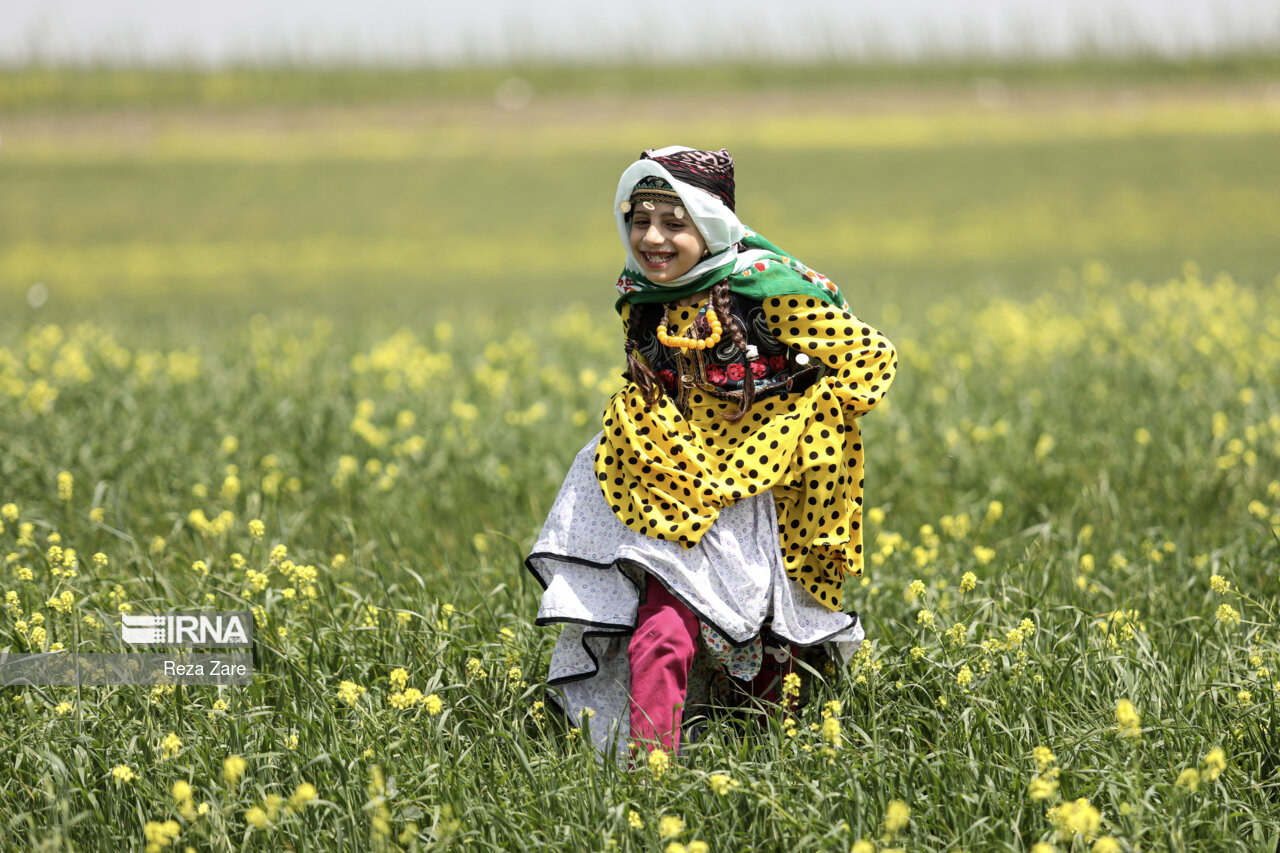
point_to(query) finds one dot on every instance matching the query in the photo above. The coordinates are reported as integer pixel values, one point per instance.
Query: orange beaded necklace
(683, 342)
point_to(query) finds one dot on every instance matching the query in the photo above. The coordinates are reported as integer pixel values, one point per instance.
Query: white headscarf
(718, 225)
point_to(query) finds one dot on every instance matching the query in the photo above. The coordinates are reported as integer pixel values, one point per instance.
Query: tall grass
(1073, 492)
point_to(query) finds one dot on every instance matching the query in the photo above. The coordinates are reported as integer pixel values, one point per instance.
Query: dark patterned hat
(707, 170)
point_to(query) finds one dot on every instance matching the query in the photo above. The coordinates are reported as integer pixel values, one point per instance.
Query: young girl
(702, 538)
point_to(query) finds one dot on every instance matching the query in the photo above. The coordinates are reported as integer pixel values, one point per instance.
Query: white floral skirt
(592, 568)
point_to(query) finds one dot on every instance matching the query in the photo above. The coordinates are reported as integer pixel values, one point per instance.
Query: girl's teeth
(657, 259)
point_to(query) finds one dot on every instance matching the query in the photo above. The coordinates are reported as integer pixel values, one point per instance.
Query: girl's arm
(860, 361)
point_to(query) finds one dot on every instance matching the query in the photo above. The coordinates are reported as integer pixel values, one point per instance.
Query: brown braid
(637, 371)
(720, 301)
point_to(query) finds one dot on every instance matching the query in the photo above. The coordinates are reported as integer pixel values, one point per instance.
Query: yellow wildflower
(171, 745)
(791, 685)
(1076, 816)
(233, 767)
(160, 835)
(968, 581)
(303, 794)
(64, 708)
(697, 847)
(256, 817)
(896, 816)
(1043, 847)
(831, 731)
(272, 803)
(1219, 584)
(123, 774)
(1044, 786)
(634, 820)
(1214, 763)
(9, 512)
(349, 692)
(1105, 844)
(925, 617)
(1128, 721)
(915, 590)
(257, 529)
(433, 704)
(66, 485)
(983, 555)
(1189, 779)
(1043, 756)
(1228, 615)
(995, 510)
(659, 761)
(862, 846)
(965, 676)
(721, 783)
(405, 699)
(670, 826)
(399, 678)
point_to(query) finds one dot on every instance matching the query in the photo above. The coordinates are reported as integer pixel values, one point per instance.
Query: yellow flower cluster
(233, 767)
(171, 745)
(1122, 629)
(160, 835)
(722, 783)
(302, 795)
(1215, 761)
(63, 602)
(659, 763)
(670, 826)
(896, 816)
(1128, 721)
(405, 699)
(123, 774)
(1075, 817)
(184, 798)
(350, 692)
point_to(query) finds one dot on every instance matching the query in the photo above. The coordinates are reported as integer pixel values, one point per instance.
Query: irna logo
(191, 630)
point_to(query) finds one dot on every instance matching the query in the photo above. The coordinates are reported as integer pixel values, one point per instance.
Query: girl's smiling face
(665, 246)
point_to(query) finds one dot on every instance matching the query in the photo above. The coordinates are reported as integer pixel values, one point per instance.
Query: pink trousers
(661, 652)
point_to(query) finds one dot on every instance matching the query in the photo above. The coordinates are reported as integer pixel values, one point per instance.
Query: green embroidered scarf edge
(779, 278)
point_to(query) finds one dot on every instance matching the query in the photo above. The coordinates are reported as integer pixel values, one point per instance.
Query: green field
(376, 317)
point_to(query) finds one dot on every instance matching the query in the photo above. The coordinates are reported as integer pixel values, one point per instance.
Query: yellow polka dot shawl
(667, 474)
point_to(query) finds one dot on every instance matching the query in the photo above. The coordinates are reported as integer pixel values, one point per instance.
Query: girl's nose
(653, 236)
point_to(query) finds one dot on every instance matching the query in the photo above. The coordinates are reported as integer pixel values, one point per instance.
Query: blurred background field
(900, 187)
(371, 308)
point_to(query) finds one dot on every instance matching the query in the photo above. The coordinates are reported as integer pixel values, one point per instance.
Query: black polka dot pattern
(668, 475)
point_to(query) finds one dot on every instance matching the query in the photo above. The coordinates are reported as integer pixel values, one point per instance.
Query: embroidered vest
(775, 367)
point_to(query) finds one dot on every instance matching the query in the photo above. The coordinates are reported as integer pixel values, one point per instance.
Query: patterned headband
(707, 170)
(653, 189)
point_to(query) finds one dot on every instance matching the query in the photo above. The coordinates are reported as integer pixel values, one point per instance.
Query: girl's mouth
(656, 259)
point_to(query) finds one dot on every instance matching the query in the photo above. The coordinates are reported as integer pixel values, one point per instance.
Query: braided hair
(720, 301)
(637, 370)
